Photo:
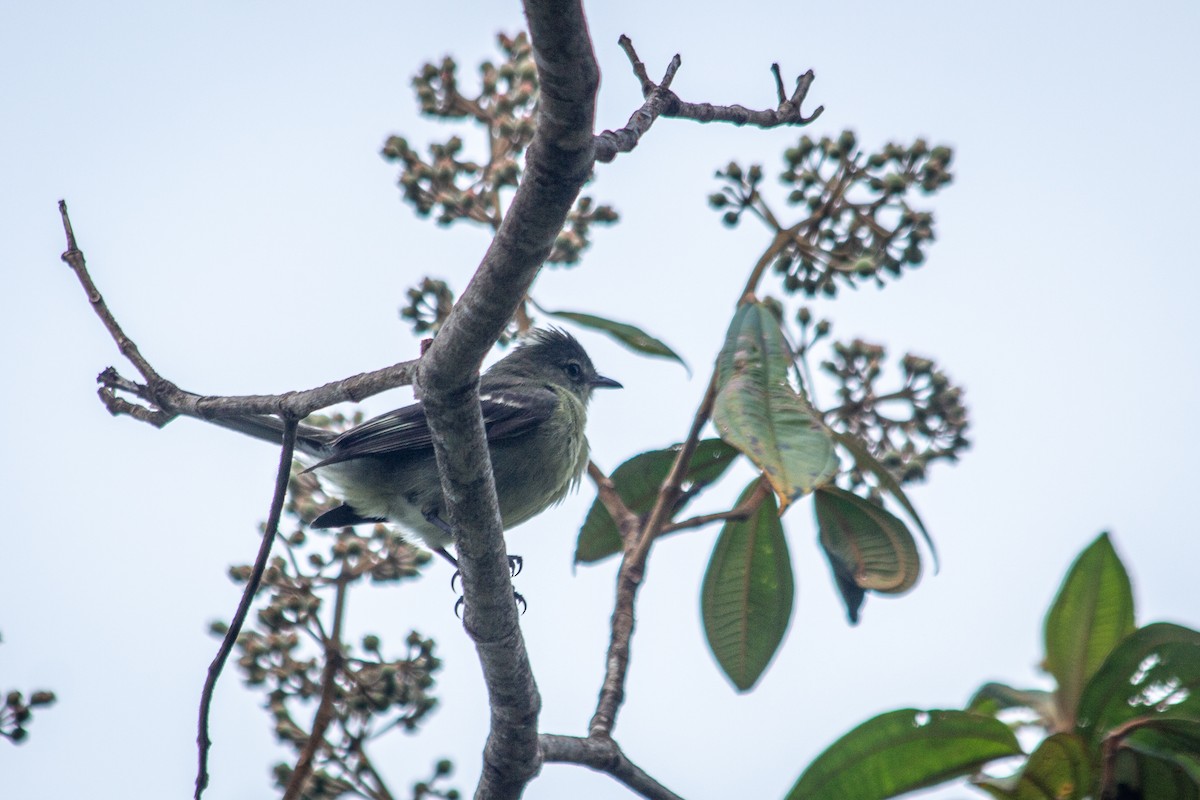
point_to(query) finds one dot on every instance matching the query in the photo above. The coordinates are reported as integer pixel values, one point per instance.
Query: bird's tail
(310, 440)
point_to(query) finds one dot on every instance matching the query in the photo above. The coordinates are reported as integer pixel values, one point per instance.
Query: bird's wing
(506, 413)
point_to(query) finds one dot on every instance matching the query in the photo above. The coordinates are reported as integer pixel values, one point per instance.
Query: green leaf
(758, 412)
(1151, 778)
(746, 600)
(852, 594)
(631, 336)
(1175, 741)
(887, 482)
(1059, 769)
(637, 482)
(1153, 671)
(902, 751)
(1092, 613)
(867, 546)
(992, 698)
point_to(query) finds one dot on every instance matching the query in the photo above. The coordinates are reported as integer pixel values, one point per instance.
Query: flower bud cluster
(859, 225)
(906, 428)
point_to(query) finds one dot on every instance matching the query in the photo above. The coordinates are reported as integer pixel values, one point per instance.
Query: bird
(534, 403)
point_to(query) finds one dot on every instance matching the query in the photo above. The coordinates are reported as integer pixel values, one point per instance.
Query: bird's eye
(574, 371)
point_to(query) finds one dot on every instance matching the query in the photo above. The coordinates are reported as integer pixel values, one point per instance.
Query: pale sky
(221, 165)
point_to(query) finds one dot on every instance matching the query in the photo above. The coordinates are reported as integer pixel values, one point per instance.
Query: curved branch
(603, 755)
(163, 401)
(203, 742)
(558, 162)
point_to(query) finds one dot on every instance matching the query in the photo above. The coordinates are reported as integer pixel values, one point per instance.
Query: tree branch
(739, 513)
(603, 755)
(74, 258)
(637, 548)
(203, 741)
(558, 161)
(627, 521)
(325, 710)
(661, 101)
(631, 574)
(163, 401)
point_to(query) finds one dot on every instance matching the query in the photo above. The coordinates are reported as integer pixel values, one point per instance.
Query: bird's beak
(601, 382)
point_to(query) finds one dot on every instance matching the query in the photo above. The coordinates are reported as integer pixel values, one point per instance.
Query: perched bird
(534, 403)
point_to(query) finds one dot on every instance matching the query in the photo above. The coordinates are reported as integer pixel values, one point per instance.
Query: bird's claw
(518, 598)
(515, 564)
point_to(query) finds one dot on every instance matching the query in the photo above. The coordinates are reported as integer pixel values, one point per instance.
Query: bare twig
(627, 521)
(741, 512)
(661, 101)
(163, 400)
(637, 548)
(74, 257)
(203, 741)
(604, 755)
(325, 712)
(631, 574)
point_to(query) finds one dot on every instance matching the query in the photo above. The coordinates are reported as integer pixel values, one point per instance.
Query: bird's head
(551, 357)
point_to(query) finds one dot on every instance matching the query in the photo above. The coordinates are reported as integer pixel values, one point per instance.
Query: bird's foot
(518, 598)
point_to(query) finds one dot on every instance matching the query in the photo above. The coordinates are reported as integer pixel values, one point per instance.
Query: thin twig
(74, 258)
(637, 549)
(203, 741)
(658, 99)
(631, 574)
(627, 522)
(741, 512)
(661, 101)
(163, 400)
(324, 715)
(381, 790)
(779, 91)
(639, 68)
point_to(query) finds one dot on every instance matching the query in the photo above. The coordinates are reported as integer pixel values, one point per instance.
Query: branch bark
(334, 659)
(203, 741)
(558, 161)
(661, 101)
(163, 401)
(603, 755)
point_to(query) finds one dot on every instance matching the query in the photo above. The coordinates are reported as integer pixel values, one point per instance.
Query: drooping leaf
(853, 595)
(1153, 671)
(746, 600)
(637, 482)
(866, 545)
(902, 751)
(1091, 614)
(887, 482)
(1059, 769)
(758, 412)
(992, 698)
(631, 336)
